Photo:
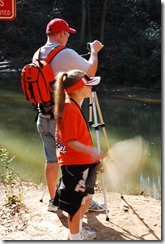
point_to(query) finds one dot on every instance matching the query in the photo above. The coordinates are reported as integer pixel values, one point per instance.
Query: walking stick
(94, 104)
(41, 200)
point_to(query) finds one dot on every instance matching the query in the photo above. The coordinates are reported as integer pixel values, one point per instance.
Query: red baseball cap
(57, 25)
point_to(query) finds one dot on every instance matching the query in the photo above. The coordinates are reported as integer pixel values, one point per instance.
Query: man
(58, 32)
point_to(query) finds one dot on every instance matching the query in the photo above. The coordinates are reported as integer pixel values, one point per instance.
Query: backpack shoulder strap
(53, 53)
(37, 55)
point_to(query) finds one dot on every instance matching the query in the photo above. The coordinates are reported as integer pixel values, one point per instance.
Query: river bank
(130, 218)
(13, 69)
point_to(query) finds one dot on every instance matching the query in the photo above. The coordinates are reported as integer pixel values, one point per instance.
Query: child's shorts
(70, 191)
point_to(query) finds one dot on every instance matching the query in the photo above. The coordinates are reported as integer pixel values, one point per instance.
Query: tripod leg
(90, 112)
(99, 148)
(101, 119)
(105, 197)
(105, 134)
(95, 120)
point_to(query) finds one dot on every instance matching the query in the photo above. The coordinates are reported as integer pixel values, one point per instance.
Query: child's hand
(96, 154)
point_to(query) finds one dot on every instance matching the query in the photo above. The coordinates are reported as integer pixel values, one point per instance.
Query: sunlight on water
(28, 160)
(124, 120)
(18, 134)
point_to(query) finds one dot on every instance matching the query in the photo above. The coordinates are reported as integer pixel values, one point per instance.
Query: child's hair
(64, 80)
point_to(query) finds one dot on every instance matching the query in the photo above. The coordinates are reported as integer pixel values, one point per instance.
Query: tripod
(94, 109)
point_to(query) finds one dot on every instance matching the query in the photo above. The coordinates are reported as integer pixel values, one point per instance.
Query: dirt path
(131, 218)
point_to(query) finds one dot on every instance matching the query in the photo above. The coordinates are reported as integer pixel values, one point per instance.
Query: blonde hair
(64, 80)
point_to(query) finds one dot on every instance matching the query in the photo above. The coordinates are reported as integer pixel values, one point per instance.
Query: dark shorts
(69, 195)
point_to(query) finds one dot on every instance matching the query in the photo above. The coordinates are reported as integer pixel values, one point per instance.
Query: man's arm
(95, 47)
(69, 59)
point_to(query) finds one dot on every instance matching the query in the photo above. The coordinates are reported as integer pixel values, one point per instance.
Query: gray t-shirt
(65, 60)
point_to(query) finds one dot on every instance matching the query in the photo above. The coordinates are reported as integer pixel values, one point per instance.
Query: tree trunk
(83, 21)
(89, 21)
(103, 20)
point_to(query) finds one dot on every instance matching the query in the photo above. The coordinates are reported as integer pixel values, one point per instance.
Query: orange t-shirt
(73, 127)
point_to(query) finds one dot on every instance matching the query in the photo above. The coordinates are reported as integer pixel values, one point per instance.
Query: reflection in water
(124, 119)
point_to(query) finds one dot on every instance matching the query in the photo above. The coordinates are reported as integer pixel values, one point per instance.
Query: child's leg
(75, 226)
(74, 223)
(84, 206)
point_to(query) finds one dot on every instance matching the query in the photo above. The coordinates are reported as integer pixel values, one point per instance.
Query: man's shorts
(46, 129)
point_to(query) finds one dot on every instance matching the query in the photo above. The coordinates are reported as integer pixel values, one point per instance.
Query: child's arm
(79, 147)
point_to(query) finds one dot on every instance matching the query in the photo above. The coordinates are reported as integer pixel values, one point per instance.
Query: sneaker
(52, 207)
(86, 234)
(95, 207)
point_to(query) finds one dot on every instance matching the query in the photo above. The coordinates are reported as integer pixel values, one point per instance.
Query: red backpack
(37, 78)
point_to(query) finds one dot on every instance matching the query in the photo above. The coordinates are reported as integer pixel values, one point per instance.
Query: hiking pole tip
(107, 218)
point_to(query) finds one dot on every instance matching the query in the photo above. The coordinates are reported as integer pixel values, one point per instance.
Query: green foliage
(9, 178)
(132, 42)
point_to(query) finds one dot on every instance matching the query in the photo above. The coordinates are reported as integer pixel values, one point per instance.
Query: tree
(83, 21)
(129, 29)
(103, 20)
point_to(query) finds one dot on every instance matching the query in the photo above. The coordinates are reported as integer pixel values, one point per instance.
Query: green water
(124, 119)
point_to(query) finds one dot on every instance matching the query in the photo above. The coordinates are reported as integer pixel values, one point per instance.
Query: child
(78, 159)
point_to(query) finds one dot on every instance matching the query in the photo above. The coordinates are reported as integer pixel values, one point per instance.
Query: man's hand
(96, 46)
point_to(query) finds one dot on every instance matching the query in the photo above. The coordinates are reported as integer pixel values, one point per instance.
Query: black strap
(80, 111)
(40, 109)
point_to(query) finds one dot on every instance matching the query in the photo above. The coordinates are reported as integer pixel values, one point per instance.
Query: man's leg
(46, 128)
(51, 173)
